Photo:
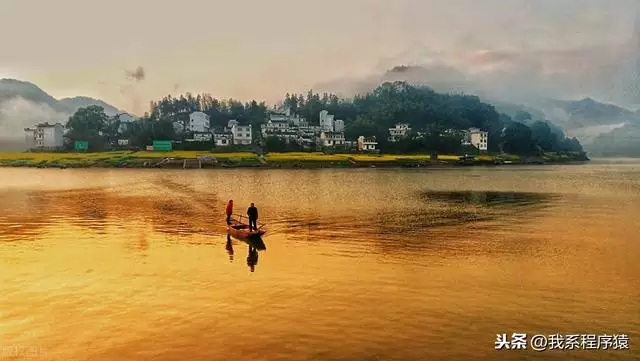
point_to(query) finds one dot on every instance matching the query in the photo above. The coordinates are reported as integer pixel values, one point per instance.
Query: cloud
(137, 74)
(607, 73)
(18, 113)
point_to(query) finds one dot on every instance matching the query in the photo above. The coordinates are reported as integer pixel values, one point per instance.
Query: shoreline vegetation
(200, 159)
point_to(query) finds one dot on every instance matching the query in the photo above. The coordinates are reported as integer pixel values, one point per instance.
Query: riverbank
(196, 159)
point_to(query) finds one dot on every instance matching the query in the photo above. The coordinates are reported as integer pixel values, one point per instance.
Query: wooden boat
(239, 229)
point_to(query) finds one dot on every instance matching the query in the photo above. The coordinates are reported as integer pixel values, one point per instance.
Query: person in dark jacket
(252, 213)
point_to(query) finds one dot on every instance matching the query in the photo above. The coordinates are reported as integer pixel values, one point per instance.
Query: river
(360, 264)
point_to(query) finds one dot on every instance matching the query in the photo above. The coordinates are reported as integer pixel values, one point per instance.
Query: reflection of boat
(255, 242)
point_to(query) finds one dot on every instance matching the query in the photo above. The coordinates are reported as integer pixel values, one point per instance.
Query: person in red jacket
(229, 211)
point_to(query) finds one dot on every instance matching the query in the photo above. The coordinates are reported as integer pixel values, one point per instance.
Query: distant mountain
(12, 88)
(588, 112)
(76, 103)
(513, 109)
(623, 141)
(24, 104)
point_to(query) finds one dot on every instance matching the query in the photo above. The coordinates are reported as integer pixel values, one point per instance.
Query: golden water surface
(363, 265)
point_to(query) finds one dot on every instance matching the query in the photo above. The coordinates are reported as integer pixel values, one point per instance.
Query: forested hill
(431, 112)
(372, 114)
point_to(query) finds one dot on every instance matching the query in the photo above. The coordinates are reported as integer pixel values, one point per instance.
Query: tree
(517, 140)
(87, 124)
(570, 145)
(275, 144)
(111, 129)
(542, 135)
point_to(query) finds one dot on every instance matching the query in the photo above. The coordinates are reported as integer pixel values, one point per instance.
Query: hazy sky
(262, 49)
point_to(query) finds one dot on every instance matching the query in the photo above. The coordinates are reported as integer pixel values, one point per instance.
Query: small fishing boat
(239, 229)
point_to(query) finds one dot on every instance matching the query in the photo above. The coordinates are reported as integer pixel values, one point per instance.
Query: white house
(223, 138)
(398, 132)
(476, 137)
(326, 121)
(45, 136)
(275, 127)
(125, 121)
(338, 125)
(367, 144)
(330, 139)
(241, 134)
(198, 122)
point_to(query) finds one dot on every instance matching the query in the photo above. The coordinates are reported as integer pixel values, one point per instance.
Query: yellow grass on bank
(191, 154)
(301, 156)
(37, 157)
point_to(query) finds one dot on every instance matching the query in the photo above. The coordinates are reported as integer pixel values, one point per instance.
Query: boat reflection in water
(255, 244)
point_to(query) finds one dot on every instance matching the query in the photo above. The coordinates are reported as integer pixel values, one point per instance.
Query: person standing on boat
(229, 211)
(252, 213)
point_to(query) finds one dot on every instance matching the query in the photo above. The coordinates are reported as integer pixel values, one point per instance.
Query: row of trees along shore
(371, 114)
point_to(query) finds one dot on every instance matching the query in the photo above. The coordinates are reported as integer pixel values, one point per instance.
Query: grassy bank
(176, 159)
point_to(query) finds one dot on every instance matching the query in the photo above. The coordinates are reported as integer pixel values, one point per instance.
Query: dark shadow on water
(254, 243)
(489, 199)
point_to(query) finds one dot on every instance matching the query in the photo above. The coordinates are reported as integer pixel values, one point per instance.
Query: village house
(367, 144)
(326, 121)
(276, 125)
(241, 133)
(198, 122)
(330, 139)
(477, 138)
(308, 131)
(284, 125)
(45, 136)
(223, 138)
(232, 134)
(401, 130)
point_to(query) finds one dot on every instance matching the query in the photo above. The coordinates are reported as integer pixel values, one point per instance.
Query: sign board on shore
(162, 145)
(149, 148)
(81, 145)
